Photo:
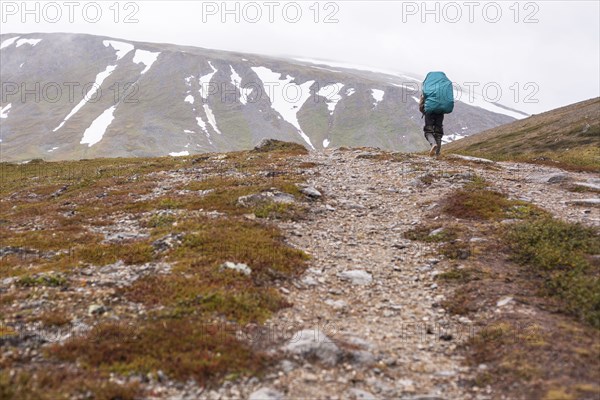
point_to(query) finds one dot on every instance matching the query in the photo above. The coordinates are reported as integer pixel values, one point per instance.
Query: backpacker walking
(437, 99)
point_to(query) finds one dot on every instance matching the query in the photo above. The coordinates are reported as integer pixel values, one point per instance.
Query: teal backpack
(439, 96)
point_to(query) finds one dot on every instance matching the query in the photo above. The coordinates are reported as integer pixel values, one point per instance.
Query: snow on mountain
(145, 57)
(205, 82)
(121, 48)
(243, 98)
(31, 42)
(90, 95)
(236, 81)
(211, 118)
(8, 42)
(282, 102)
(332, 94)
(377, 96)
(95, 132)
(5, 110)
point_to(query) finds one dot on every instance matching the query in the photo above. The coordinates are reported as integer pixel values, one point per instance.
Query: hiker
(437, 99)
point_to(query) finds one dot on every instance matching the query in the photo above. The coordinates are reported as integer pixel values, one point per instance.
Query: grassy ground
(544, 264)
(567, 137)
(188, 331)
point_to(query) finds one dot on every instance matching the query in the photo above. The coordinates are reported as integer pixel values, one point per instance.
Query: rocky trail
(366, 320)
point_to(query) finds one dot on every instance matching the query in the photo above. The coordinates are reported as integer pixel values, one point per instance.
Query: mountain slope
(569, 135)
(72, 96)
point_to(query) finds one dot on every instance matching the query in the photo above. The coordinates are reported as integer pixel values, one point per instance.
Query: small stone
(309, 281)
(266, 394)
(243, 268)
(336, 304)
(436, 231)
(311, 343)
(96, 309)
(308, 377)
(311, 192)
(287, 366)
(358, 394)
(472, 159)
(559, 178)
(356, 277)
(504, 301)
(592, 202)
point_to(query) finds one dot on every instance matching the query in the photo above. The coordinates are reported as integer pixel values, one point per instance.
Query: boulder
(314, 344)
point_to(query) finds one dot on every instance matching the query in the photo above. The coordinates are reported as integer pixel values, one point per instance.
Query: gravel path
(372, 292)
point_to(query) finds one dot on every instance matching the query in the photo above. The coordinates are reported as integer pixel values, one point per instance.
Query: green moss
(423, 234)
(561, 253)
(462, 275)
(43, 280)
(182, 348)
(103, 254)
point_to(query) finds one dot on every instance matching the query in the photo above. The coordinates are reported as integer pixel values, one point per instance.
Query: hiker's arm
(422, 104)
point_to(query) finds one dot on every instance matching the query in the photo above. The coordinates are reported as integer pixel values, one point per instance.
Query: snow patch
(52, 149)
(205, 82)
(326, 143)
(31, 42)
(280, 91)
(188, 131)
(145, 57)
(202, 125)
(481, 102)
(452, 137)
(377, 96)
(332, 94)
(180, 154)
(89, 95)
(4, 111)
(211, 118)
(236, 80)
(21, 66)
(350, 92)
(95, 132)
(189, 99)
(326, 69)
(121, 48)
(8, 42)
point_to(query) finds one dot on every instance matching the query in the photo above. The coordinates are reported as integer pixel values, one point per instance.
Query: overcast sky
(544, 51)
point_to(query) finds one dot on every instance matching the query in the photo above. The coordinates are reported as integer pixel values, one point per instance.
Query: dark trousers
(434, 129)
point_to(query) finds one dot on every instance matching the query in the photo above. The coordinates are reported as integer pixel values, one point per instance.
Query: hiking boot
(433, 150)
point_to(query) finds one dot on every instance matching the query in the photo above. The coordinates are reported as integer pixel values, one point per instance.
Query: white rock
(311, 192)
(473, 159)
(358, 394)
(356, 277)
(243, 268)
(504, 301)
(310, 343)
(266, 394)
